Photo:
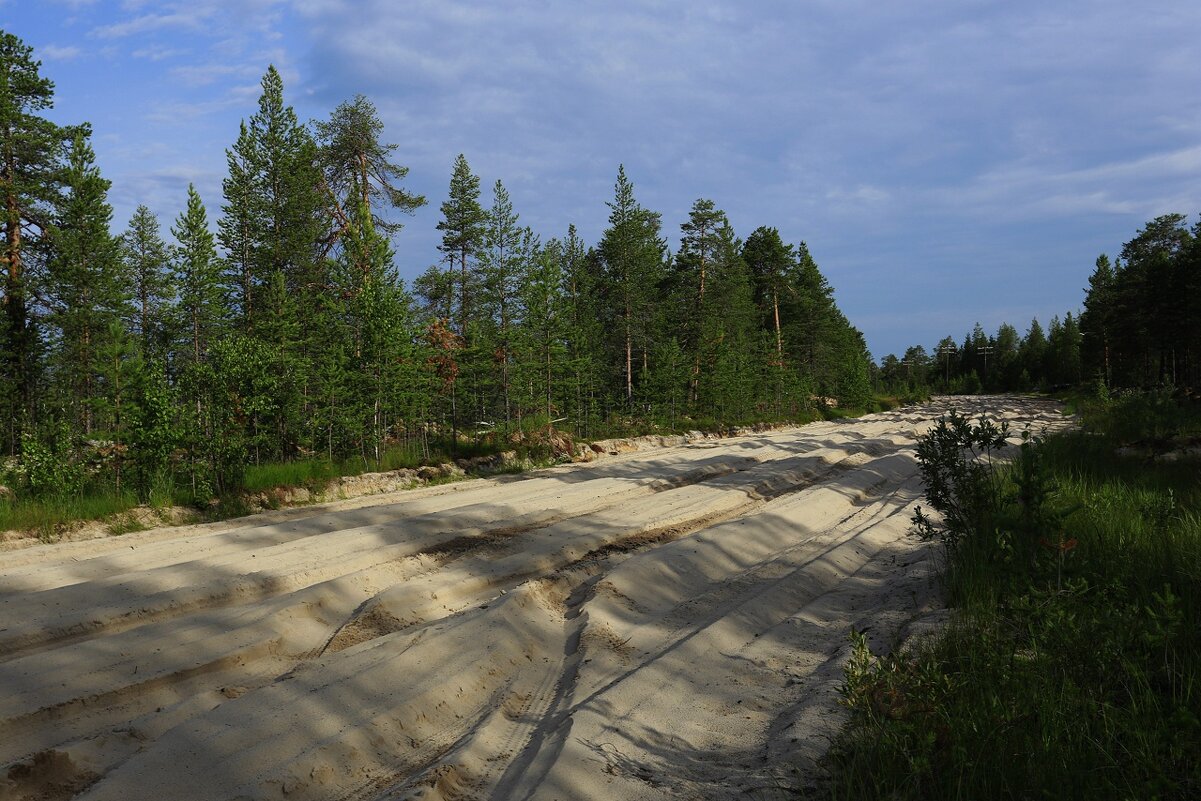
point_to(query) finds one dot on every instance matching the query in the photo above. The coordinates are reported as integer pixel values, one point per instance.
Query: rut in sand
(662, 624)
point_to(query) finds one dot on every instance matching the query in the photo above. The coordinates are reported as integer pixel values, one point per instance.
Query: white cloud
(59, 53)
(157, 52)
(206, 74)
(151, 22)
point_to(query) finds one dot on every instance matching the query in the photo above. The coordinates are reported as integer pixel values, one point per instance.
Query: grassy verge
(50, 515)
(1074, 667)
(47, 516)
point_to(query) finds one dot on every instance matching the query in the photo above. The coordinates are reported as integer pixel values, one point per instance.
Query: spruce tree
(1097, 320)
(273, 217)
(1032, 353)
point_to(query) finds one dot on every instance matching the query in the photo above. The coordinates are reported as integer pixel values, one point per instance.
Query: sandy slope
(665, 624)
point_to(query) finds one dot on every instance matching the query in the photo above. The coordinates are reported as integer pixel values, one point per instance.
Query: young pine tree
(463, 226)
(632, 254)
(86, 287)
(146, 263)
(197, 275)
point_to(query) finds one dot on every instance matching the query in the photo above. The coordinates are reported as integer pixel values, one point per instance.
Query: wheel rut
(508, 640)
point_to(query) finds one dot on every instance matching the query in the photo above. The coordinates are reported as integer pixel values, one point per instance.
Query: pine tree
(197, 274)
(462, 227)
(85, 284)
(145, 257)
(585, 332)
(729, 346)
(544, 326)
(501, 262)
(238, 224)
(632, 253)
(358, 170)
(690, 273)
(769, 260)
(30, 177)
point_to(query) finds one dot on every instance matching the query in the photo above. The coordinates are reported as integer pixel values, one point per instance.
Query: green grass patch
(1074, 667)
(50, 516)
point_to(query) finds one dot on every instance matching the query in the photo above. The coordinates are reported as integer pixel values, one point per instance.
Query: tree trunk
(629, 361)
(463, 295)
(775, 303)
(15, 308)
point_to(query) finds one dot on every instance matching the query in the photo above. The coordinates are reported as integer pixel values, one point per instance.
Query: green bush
(1073, 667)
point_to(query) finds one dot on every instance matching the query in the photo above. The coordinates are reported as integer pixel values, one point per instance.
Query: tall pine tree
(632, 254)
(31, 149)
(146, 264)
(86, 288)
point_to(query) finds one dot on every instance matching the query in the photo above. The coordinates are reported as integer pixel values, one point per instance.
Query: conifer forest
(270, 325)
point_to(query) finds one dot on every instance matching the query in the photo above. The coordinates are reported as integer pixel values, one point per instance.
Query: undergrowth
(51, 512)
(1073, 669)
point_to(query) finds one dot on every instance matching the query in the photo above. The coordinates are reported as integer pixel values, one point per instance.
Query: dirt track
(664, 624)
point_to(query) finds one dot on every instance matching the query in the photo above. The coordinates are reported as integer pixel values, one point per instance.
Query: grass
(1073, 669)
(51, 515)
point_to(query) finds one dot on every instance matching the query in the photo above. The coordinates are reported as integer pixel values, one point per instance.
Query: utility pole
(946, 351)
(985, 349)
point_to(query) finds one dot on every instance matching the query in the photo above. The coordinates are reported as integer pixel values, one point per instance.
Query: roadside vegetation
(1072, 667)
(63, 487)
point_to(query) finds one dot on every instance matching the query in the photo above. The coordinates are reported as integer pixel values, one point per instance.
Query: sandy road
(665, 624)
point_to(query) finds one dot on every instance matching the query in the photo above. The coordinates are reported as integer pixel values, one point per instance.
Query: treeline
(1140, 328)
(139, 360)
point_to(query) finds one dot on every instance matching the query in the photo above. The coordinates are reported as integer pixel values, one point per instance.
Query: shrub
(962, 484)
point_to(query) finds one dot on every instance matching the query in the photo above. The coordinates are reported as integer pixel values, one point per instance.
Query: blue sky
(948, 162)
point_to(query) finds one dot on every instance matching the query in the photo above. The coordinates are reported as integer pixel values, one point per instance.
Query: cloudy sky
(947, 161)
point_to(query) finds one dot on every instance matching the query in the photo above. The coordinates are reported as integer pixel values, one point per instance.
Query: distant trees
(1140, 327)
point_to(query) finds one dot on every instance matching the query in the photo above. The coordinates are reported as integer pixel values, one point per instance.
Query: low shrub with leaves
(1073, 667)
(956, 461)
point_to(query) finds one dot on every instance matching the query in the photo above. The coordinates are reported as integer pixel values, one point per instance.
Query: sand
(662, 624)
